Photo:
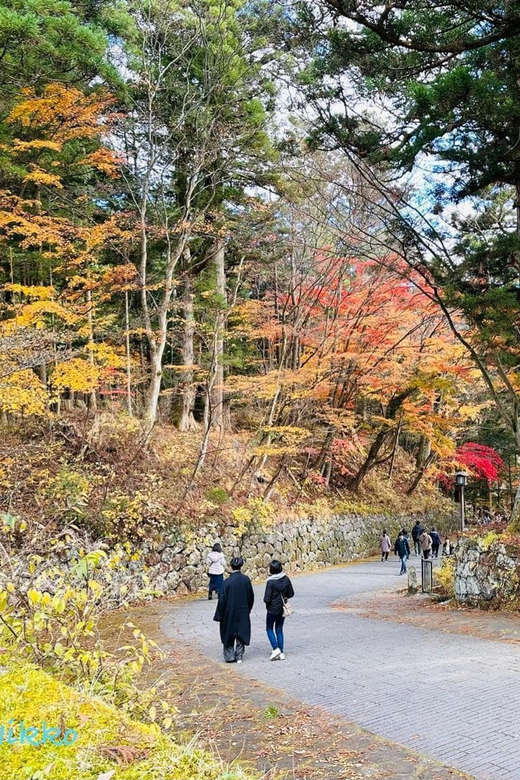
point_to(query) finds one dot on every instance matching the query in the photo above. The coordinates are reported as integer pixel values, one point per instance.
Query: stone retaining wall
(487, 573)
(178, 566)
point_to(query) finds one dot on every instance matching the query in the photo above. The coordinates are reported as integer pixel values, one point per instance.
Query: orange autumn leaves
(51, 123)
(347, 339)
(58, 137)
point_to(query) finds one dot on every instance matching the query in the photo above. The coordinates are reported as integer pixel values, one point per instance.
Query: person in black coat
(278, 589)
(233, 609)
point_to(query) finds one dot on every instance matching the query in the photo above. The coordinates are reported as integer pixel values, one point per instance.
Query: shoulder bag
(287, 610)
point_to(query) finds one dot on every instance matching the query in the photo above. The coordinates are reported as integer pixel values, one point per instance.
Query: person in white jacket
(217, 567)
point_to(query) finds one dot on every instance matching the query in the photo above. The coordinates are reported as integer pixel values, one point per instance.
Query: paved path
(452, 697)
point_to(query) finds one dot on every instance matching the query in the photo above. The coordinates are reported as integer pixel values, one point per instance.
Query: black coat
(436, 539)
(233, 608)
(416, 532)
(275, 592)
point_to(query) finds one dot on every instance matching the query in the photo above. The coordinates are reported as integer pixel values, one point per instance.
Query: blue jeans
(216, 583)
(276, 622)
(403, 564)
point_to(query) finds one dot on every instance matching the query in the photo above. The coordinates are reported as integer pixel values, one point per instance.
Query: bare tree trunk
(158, 342)
(394, 451)
(270, 487)
(423, 453)
(371, 459)
(514, 520)
(42, 371)
(218, 388)
(90, 321)
(187, 420)
(128, 361)
(419, 474)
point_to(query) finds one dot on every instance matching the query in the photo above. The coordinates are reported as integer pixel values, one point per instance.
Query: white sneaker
(275, 654)
(239, 661)
(281, 657)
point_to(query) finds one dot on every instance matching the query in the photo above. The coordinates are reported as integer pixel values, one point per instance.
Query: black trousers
(384, 556)
(234, 652)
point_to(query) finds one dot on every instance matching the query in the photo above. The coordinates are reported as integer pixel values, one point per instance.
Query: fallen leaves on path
(422, 612)
(267, 731)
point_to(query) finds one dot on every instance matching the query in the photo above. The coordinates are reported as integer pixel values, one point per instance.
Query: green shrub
(53, 623)
(217, 495)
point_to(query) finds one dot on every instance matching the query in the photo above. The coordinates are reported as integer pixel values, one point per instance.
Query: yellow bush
(445, 576)
(107, 739)
(257, 514)
(23, 393)
(77, 375)
(488, 539)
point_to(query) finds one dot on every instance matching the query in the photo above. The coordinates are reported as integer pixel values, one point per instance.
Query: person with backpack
(402, 549)
(416, 534)
(278, 589)
(436, 542)
(233, 613)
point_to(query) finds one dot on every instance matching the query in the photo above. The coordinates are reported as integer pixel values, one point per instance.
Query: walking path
(452, 697)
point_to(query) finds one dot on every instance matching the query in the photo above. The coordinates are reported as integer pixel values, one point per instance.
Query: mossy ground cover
(108, 740)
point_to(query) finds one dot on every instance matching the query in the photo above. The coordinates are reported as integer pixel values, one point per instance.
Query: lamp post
(461, 479)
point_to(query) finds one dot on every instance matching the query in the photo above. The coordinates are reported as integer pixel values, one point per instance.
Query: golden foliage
(104, 160)
(23, 393)
(35, 314)
(77, 375)
(37, 176)
(63, 112)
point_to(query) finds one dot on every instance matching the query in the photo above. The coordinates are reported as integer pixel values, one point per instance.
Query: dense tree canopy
(174, 244)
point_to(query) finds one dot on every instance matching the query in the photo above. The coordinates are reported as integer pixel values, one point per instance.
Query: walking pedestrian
(426, 543)
(233, 613)
(217, 567)
(416, 534)
(402, 549)
(385, 545)
(436, 542)
(278, 589)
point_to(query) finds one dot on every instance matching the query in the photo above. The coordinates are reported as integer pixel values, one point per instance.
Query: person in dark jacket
(402, 549)
(278, 589)
(416, 534)
(436, 542)
(233, 609)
